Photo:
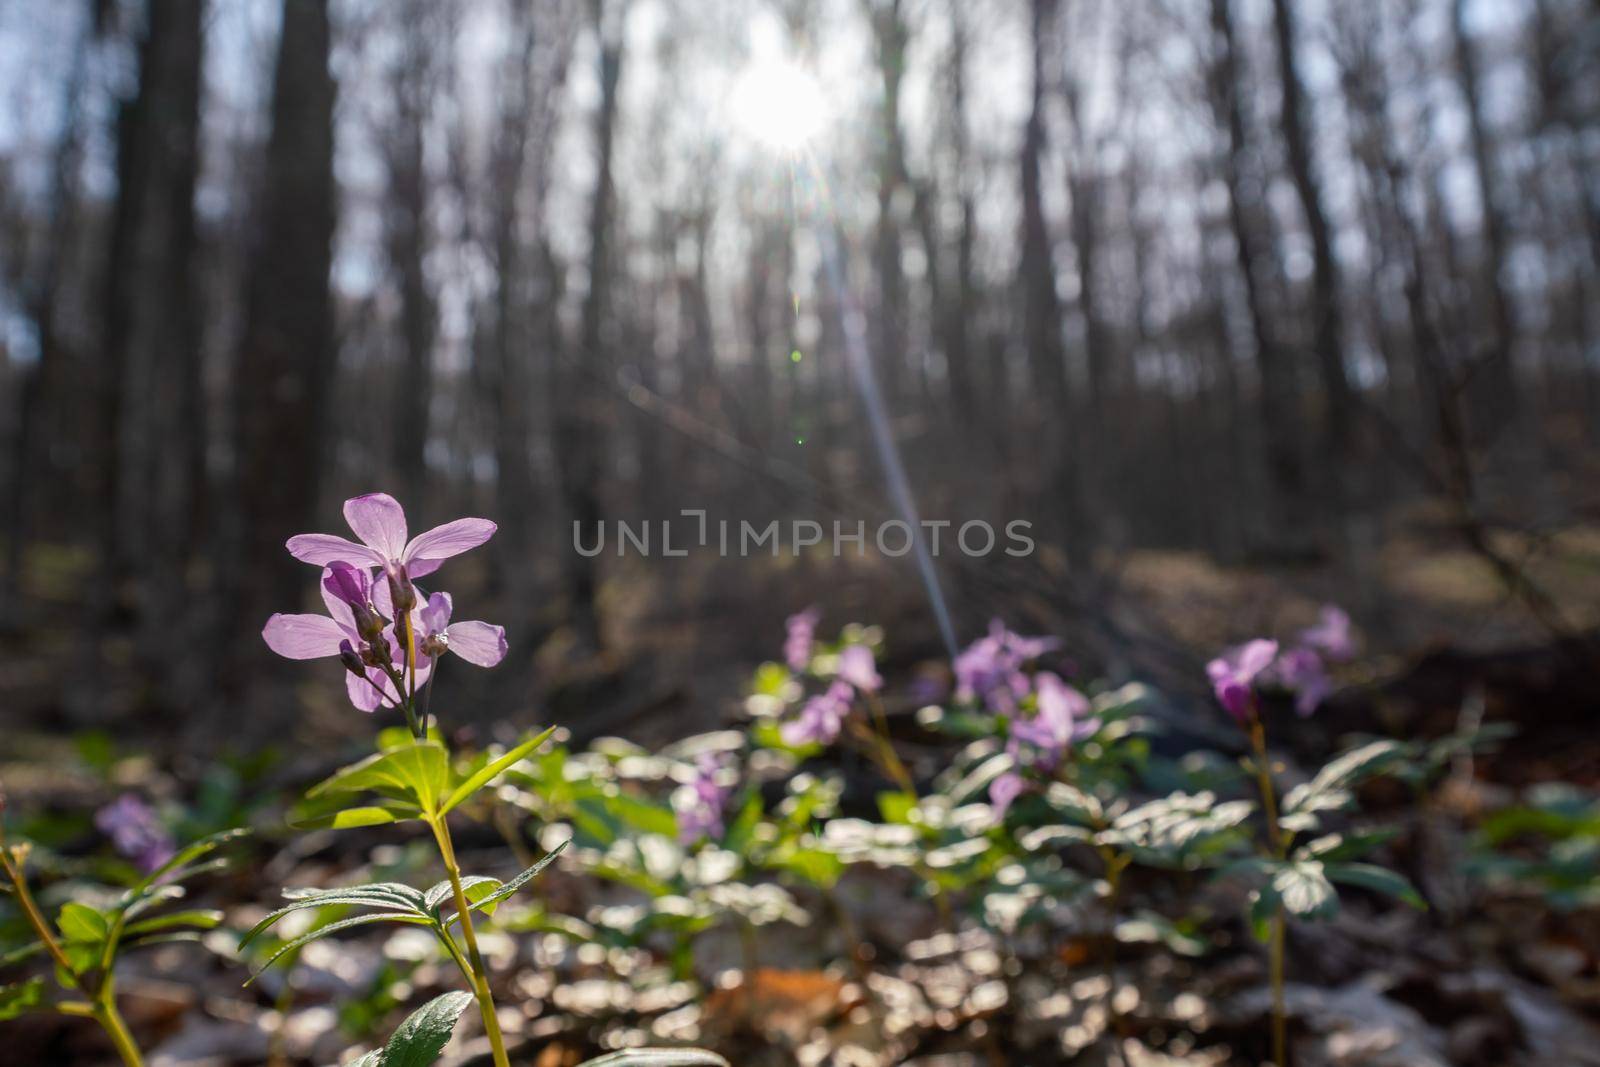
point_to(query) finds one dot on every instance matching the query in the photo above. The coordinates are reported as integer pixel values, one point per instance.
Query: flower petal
(362, 694)
(436, 613)
(451, 539)
(323, 549)
(478, 642)
(303, 636)
(380, 521)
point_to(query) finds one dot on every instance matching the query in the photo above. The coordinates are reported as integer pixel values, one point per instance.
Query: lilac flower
(480, 643)
(802, 632)
(1233, 675)
(380, 522)
(857, 667)
(990, 669)
(699, 804)
(1003, 791)
(1331, 635)
(1300, 670)
(821, 718)
(135, 832)
(333, 634)
(1060, 720)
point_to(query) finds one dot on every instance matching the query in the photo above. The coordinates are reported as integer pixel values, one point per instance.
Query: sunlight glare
(778, 104)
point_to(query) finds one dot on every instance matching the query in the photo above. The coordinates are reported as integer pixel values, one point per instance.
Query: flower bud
(351, 659)
(401, 591)
(377, 652)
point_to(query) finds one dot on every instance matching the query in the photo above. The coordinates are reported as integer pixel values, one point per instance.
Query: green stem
(1280, 848)
(105, 1011)
(480, 974)
(1275, 970)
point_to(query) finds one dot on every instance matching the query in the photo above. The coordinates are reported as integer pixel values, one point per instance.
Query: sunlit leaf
(199, 918)
(418, 1041)
(493, 770)
(658, 1057)
(516, 883)
(333, 928)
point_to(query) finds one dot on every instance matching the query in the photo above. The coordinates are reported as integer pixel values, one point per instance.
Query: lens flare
(778, 104)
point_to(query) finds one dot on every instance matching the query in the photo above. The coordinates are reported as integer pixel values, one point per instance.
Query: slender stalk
(105, 1011)
(1115, 864)
(1280, 846)
(480, 974)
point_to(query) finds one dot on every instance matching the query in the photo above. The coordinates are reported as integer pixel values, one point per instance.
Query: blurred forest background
(1244, 304)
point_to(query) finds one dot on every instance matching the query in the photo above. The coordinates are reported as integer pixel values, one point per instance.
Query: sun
(778, 104)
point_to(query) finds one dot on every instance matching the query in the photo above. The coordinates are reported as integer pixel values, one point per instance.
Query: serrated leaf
(333, 928)
(418, 1041)
(658, 1057)
(388, 896)
(1378, 879)
(516, 883)
(473, 886)
(198, 918)
(489, 773)
(19, 997)
(1330, 786)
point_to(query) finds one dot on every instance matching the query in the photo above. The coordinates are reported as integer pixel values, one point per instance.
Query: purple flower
(135, 832)
(1233, 675)
(801, 633)
(699, 804)
(1300, 670)
(821, 718)
(1003, 791)
(480, 643)
(1059, 721)
(991, 668)
(857, 667)
(1331, 635)
(380, 522)
(317, 636)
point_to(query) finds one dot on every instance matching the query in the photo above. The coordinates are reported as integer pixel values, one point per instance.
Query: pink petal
(451, 539)
(362, 695)
(338, 610)
(1255, 657)
(303, 636)
(478, 642)
(380, 521)
(323, 549)
(436, 613)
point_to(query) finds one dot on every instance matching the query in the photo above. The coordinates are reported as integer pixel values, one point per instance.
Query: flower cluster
(822, 717)
(1039, 743)
(991, 670)
(386, 632)
(135, 832)
(700, 803)
(1239, 672)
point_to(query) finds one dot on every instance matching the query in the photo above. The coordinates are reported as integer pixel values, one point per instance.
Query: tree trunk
(287, 353)
(1325, 314)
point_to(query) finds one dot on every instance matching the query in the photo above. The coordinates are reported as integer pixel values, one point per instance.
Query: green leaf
(1378, 879)
(473, 886)
(181, 864)
(419, 772)
(335, 813)
(418, 1041)
(199, 918)
(515, 884)
(658, 1057)
(20, 997)
(81, 923)
(1304, 890)
(1331, 785)
(333, 928)
(493, 770)
(388, 896)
